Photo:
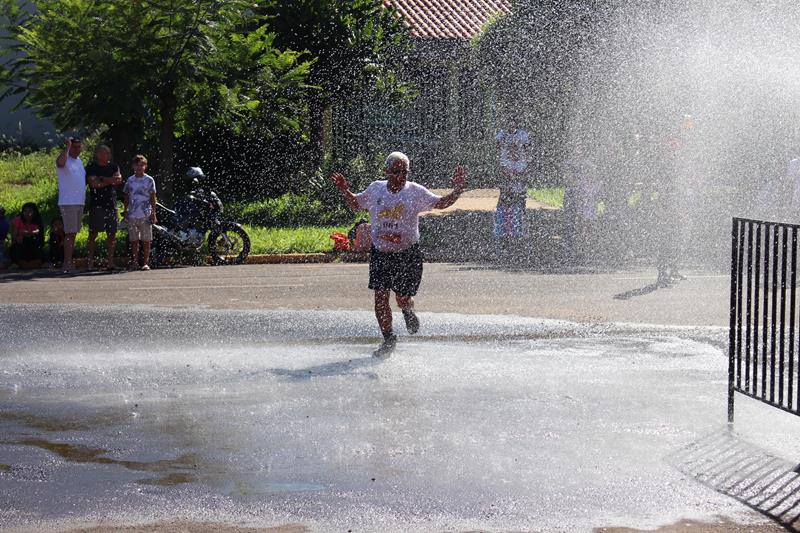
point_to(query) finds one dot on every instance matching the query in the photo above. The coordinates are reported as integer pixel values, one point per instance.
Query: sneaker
(145, 267)
(676, 276)
(387, 346)
(663, 280)
(412, 322)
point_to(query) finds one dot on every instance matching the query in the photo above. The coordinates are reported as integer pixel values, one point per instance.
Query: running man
(395, 262)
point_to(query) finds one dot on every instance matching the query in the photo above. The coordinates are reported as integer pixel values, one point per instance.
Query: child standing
(56, 242)
(140, 210)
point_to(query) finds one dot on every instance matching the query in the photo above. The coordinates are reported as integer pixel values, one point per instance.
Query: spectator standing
(103, 177)
(140, 210)
(679, 191)
(395, 262)
(27, 237)
(71, 195)
(581, 195)
(56, 242)
(509, 224)
(4, 226)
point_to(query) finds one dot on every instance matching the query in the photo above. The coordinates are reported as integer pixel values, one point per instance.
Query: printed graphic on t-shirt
(394, 215)
(389, 220)
(512, 149)
(139, 190)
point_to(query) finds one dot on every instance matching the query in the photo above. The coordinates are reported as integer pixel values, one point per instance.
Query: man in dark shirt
(103, 176)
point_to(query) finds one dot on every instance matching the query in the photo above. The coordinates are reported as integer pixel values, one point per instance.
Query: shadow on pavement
(763, 482)
(23, 275)
(336, 368)
(627, 295)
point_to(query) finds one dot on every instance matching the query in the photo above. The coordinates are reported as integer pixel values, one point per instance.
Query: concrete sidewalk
(623, 296)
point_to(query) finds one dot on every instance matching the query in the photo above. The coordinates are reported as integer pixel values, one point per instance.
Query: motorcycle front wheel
(228, 246)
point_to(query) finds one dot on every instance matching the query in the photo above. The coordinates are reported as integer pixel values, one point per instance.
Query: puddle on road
(66, 422)
(84, 454)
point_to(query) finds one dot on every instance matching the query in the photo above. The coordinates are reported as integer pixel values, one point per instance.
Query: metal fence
(763, 339)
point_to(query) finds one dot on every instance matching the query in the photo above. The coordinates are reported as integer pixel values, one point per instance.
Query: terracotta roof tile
(448, 19)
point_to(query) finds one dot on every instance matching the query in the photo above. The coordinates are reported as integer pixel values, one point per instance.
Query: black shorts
(103, 219)
(400, 272)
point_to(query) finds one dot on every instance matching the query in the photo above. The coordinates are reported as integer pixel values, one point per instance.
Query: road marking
(178, 287)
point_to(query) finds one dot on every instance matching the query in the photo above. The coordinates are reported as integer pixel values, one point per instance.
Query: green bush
(29, 178)
(291, 211)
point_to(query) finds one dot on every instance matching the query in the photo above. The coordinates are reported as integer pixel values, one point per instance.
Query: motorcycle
(197, 219)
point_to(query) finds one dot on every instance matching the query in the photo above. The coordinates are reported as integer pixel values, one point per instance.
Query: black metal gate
(763, 339)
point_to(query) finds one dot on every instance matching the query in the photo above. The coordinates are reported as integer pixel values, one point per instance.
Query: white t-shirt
(71, 182)
(395, 216)
(139, 190)
(513, 149)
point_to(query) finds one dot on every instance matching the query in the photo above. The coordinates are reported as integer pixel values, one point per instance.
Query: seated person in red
(27, 237)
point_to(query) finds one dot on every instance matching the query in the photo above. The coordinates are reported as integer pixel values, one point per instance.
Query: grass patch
(552, 196)
(29, 178)
(292, 240)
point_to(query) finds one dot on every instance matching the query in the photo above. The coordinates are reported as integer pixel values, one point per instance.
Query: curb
(320, 257)
(274, 259)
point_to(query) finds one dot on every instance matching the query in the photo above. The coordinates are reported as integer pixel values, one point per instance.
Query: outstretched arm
(341, 183)
(61, 160)
(458, 181)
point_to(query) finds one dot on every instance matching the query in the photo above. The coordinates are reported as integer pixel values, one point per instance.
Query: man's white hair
(397, 156)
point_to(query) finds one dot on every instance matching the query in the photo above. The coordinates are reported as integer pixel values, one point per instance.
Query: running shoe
(663, 281)
(412, 322)
(387, 346)
(676, 276)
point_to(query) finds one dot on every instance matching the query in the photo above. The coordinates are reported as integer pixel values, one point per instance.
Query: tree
(149, 65)
(358, 46)
(528, 64)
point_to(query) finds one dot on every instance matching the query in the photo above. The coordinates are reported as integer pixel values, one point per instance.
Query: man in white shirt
(395, 262)
(71, 195)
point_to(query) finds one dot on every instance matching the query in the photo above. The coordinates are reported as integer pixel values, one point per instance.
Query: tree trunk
(320, 129)
(169, 107)
(123, 139)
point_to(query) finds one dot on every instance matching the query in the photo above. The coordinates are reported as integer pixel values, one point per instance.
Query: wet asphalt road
(124, 414)
(625, 296)
(247, 395)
